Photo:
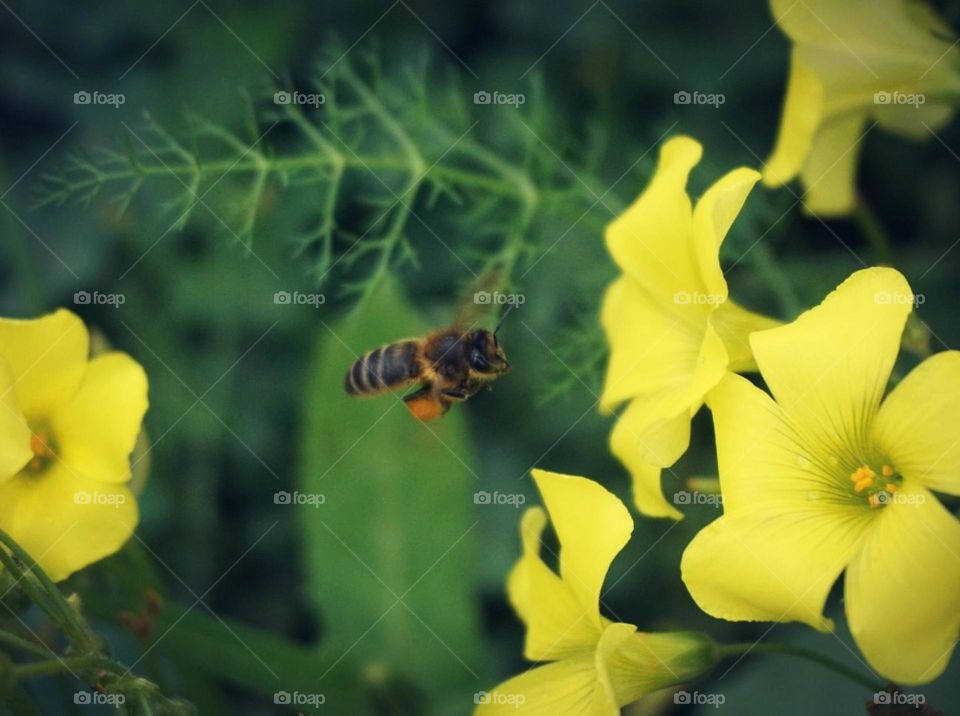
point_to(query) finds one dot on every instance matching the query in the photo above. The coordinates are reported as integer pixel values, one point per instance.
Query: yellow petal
(734, 324)
(643, 454)
(917, 426)
(651, 240)
(829, 173)
(592, 526)
(712, 218)
(902, 591)
(557, 624)
(637, 663)
(14, 434)
(98, 428)
(569, 687)
(786, 533)
(655, 347)
(829, 368)
(65, 522)
(764, 566)
(47, 357)
(801, 116)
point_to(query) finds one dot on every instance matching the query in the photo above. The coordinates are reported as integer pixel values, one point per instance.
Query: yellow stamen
(874, 501)
(890, 487)
(42, 451)
(887, 471)
(863, 484)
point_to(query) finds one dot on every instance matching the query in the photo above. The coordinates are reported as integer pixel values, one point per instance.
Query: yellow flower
(671, 328)
(832, 476)
(853, 63)
(597, 665)
(67, 426)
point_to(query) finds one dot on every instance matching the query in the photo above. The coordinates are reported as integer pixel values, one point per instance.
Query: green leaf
(390, 554)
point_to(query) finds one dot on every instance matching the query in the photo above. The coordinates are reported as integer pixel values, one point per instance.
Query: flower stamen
(879, 488)
(41, 445)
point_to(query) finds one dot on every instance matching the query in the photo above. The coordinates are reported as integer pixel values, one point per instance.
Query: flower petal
(916, 427)
(903, 589)
(65, 522)
(644, 454)
(734, 324)
(829, 173)
(637, 663)
(569, 687)
(802, 111)
(14, 434)
(98, 428)
(592, 526)
(785, 536)
(712, 218)
(650, 241)
(47, 357)
(557, 624)
(829, 368)
(764, 566)
(654, 347)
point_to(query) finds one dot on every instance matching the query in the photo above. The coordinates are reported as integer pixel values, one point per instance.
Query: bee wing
(476, 307)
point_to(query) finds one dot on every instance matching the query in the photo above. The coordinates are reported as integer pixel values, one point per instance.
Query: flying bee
(451, 364)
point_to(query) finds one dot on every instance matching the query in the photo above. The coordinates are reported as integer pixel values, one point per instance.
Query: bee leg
(457, 394)
(425, 404)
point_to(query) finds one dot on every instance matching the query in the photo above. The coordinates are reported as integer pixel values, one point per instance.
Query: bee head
(485, 354)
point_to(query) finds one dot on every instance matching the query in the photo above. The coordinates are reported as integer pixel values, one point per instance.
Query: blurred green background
(389, 596)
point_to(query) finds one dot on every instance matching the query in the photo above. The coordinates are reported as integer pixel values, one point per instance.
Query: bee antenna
(504, 317)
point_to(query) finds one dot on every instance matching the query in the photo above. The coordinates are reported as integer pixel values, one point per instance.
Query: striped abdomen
(383, 368)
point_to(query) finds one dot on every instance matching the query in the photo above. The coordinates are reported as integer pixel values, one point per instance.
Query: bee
(451, 364)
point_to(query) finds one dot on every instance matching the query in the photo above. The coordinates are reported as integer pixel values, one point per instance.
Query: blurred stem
(15, 642)
(68, 664)
(874, 232)
(731, 650)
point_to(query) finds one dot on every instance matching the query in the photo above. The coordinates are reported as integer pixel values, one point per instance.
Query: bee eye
(478, 361)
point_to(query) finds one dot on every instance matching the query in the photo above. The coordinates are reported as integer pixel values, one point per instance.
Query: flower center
(877, 486)
(43, 448)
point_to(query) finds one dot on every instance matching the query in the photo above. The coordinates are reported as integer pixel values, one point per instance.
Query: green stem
(67, 664)
(15, 642)
(874, 232)
(730, 650)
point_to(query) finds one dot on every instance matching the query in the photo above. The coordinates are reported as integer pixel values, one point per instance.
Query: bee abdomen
(383, 368)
